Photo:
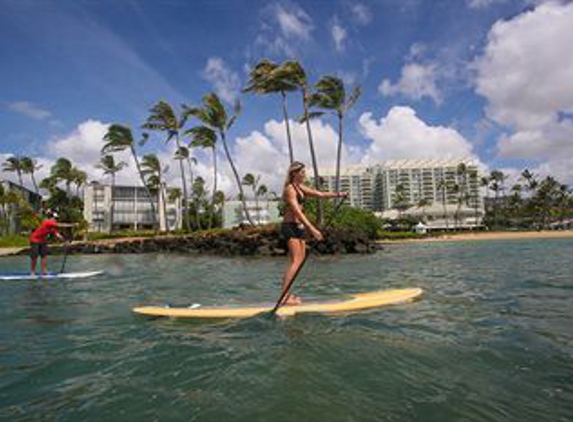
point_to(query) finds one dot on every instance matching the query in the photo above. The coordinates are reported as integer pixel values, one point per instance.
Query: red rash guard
(41, 233)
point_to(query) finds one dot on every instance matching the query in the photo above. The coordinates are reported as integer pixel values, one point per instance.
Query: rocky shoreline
(246, 242)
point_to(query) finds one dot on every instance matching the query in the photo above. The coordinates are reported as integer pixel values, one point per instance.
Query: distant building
(261, 212)
(131, 208)
(32, 198)
(389, 185)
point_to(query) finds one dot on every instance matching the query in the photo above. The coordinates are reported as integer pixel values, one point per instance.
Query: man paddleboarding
(295, 223)
(39, 242)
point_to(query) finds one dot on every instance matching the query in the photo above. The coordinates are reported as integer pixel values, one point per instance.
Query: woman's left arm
(308, 191)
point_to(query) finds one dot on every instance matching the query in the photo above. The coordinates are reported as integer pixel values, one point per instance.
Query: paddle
(313, 245)
(66, 243)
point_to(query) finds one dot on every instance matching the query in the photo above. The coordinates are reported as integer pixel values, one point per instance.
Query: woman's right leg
(297, 252)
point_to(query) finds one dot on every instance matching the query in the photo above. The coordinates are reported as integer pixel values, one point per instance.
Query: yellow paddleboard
(356, 302)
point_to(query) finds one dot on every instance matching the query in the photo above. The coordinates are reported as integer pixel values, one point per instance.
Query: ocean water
(490, 340)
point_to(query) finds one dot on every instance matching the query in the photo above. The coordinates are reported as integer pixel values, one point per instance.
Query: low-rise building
(261, 212)
(131, 208)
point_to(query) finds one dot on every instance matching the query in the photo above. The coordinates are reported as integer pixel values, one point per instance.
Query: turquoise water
(491, 339)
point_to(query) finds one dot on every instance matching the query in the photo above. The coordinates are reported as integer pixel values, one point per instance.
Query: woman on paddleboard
(295, 224)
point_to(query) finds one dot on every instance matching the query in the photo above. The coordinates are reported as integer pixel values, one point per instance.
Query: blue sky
(482, 78)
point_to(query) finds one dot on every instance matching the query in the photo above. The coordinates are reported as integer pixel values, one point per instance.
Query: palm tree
(109, 167)
(79, 178)
(264, 81)
(29, 166)
(61, 171)
(14, 165)
(154, 172)
(442, 186)
(253, 182)
(206, 137)
(293, 72)
(119, 138)
(330, 94)
(164, 119)
(423, 203)
(215, 119)
(198, 192)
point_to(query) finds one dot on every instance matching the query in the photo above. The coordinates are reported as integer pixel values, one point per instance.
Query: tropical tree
(110, 168)
(330, 94)
(61, 171)
(206, 137)
(253, 182)
(423, 203)
(14, 165)
(214, 118)
(164, 119)
(442, 187)
(198, 193)
(120, 138)
(154, 173)
(264, 80)
(30, 166)
(293, 72)
(79, 178)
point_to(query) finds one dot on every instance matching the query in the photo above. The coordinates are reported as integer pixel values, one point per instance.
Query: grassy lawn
(13, 241)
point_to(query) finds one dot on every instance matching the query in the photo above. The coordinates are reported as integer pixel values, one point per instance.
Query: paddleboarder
(39, 241)
(296, 225)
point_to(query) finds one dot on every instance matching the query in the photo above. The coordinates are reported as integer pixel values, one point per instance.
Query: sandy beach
(464, 237)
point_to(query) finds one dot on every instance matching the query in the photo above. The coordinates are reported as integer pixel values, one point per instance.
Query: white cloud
(29, 109)
(416, 81)
(226, 83)
(282, 32)
(339, 35)
(402, 134)
(525, 76)
(294, 22)
(361, 14)
(482, 4)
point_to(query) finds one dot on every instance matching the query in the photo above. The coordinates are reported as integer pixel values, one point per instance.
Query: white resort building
(131, 208)
(432, 190)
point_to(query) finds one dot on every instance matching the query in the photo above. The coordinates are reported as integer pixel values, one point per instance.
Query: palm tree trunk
(237, 178)
(338, 154)
(34, 183)
(214, 188)
(153, 212)
(191, 181)
(287, 124)
(162, 192)
(112, 206)
(20, 177)
(312, 155)
(185, 197)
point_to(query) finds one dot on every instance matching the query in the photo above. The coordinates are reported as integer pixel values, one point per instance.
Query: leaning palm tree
(264, 81)
(14, 165)
(164, 119)
(293, 72)
(30, 166)
(120, 138)
(206, 137)
(214, 118)
(61, 171)
(109, 167)
(79, 178)
(442, 186)
(253, 182)
(330, 94)
(153, 171)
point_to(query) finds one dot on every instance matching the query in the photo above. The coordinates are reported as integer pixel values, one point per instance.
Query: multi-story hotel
(131, 208)
(32, 198)
(404, 183)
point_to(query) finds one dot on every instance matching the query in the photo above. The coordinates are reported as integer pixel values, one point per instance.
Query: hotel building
(131, 208)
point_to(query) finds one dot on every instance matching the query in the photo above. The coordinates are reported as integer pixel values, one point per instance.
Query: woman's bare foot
(292, 300)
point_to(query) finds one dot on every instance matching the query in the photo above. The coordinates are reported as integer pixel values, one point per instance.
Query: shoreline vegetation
(266, 242)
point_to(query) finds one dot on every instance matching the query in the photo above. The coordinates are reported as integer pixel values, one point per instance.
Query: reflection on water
(491, 339)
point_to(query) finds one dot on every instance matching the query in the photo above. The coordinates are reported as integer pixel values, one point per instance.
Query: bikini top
(299, 195)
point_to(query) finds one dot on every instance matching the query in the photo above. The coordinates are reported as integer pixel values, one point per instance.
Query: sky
(490, 80)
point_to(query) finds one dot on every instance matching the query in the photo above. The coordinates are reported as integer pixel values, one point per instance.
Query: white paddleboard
(50, 276)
